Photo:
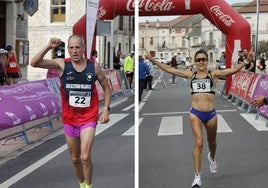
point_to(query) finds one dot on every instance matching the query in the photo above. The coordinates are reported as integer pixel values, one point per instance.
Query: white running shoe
(197, 181)
(213, 167)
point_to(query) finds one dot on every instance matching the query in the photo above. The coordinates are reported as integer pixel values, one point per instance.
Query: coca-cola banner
(29, 101)
(219, 13)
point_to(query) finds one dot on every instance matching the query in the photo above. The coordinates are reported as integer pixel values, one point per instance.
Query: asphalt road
(166, 142)
(49, 164)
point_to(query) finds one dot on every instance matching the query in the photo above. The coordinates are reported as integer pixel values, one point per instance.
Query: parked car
(162, 60)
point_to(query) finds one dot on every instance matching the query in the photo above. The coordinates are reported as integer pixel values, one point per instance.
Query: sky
(166, 18)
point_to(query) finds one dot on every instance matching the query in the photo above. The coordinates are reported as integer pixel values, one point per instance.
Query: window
(142, 42)
(151, 40)
(58, 8)
(121, 23)
(133, 24)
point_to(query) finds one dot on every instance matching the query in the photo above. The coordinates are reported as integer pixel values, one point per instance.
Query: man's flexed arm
(39, 61)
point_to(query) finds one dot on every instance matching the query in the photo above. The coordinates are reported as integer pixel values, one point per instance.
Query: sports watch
(107, 108)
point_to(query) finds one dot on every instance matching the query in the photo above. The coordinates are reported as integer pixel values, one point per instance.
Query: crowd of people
(9, 67)
(256, 66)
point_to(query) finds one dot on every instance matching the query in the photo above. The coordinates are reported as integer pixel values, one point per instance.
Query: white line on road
(130, 131)
(171, 126)
(259, 124)
(185, 112)
(33, 167)
(128, 107)
(114, 119)
(223, 127)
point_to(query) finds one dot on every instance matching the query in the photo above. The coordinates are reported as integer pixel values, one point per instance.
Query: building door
(2, 24)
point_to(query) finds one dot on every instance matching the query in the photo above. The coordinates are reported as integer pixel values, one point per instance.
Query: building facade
(186, 34)
(53, 19)
(56, 19)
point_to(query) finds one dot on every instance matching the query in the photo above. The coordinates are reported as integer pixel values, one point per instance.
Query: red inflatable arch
(219, 13)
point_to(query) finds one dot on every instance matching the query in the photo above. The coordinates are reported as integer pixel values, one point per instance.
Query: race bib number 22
(79, 99)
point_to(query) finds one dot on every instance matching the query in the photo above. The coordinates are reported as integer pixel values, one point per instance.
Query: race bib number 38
(201, 85)
(79, 99)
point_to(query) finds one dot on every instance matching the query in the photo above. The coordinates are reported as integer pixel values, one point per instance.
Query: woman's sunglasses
(201, 59)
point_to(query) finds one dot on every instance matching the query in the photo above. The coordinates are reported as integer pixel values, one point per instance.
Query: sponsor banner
(261, 86)
(262, 89)
(28, 101)
(113, 81)
(235, 79)
(92, 10)
(239, 83)
(252, 87)
(246, 84)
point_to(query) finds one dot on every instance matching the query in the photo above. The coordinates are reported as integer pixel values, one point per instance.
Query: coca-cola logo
(150, 5)
(226, 19)
(101, 13)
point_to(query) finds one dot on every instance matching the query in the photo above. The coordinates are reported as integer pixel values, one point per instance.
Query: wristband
(265, 100)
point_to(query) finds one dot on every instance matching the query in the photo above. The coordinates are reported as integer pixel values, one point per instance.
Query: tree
(263, 47)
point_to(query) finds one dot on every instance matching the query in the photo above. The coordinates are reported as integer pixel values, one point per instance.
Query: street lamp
(146, 30)
(157, 27)
(257, 30)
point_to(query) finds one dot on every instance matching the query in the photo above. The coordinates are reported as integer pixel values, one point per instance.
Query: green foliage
(263, 47)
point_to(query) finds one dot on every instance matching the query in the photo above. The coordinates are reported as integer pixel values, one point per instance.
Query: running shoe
(213, 167)
(197, 181)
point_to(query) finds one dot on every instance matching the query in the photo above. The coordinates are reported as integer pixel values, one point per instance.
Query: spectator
(262, 65)
(189, 67)
(174, 65)
(122, 59)
(251, 66)
(117, 62)
(129, 68)
(94, 55)
(143, 71)
(149, 77)
(259, 101)
(240, 57)
(13, 69)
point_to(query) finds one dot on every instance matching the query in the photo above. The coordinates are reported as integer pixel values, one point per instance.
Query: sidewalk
(15, 147)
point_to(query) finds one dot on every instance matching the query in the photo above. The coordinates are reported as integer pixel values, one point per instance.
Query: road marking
(128, 107)
(185, 112)
(223, 127)
(114, 118)
(171, 126)
(32, 167)
(130, 131)
(100, 128)
(140, 120)
(259, 124)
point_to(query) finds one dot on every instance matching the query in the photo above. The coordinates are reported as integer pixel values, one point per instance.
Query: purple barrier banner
(262, 89)
(29, 101)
